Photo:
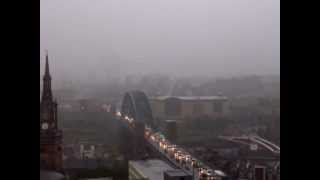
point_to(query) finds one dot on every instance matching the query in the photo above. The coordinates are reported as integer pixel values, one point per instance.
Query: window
(217, 106)
(198, 108)
(173, 107)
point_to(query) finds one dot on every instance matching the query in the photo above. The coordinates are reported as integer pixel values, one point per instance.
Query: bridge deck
(174, 154)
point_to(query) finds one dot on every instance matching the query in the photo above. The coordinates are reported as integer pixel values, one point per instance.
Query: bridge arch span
(135, 104)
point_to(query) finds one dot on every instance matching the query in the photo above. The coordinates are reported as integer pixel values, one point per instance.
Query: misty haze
(160, 89)
(94, 40)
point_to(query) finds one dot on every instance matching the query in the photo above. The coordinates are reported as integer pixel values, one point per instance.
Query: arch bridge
(143, 140)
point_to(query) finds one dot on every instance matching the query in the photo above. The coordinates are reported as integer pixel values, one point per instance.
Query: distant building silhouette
(182, 107)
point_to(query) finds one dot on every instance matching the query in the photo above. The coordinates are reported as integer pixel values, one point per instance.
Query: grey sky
(90, 39)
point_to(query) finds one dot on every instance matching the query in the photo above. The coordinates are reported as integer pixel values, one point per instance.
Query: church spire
(47, 70)
(50, 134)
(46, 91)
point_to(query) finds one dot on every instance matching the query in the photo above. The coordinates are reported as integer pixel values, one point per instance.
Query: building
(75, 165)
(259, 172)
(51, 175)
(102, 178)
(87, 151)
(176, 175)
(50, 135)
(182, 107)
(171, 130)
(152, 169)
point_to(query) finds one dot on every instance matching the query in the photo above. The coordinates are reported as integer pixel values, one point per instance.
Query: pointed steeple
(47, 70)
(46, 91)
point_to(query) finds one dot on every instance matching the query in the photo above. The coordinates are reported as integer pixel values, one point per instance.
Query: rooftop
(176, 173)
(152, 169)
(103, 178)
(190, 98)
(170, 121)
(74, 163)
(50, 175)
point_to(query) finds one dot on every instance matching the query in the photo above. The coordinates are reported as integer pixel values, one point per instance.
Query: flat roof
(190, 98)
(50, 175)
(103, 178)
(169, 120)
(153, 169)
(176, 172)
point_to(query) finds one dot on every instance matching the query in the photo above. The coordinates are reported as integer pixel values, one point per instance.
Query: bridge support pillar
(139, 148)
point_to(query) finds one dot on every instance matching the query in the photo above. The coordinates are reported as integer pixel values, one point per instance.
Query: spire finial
(47, 72)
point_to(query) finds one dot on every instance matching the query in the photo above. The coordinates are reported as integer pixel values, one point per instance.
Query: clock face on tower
(44, 126)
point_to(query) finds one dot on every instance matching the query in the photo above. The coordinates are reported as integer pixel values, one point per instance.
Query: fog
(95, 40)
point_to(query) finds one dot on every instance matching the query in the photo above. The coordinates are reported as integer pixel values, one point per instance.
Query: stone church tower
(50, 135)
